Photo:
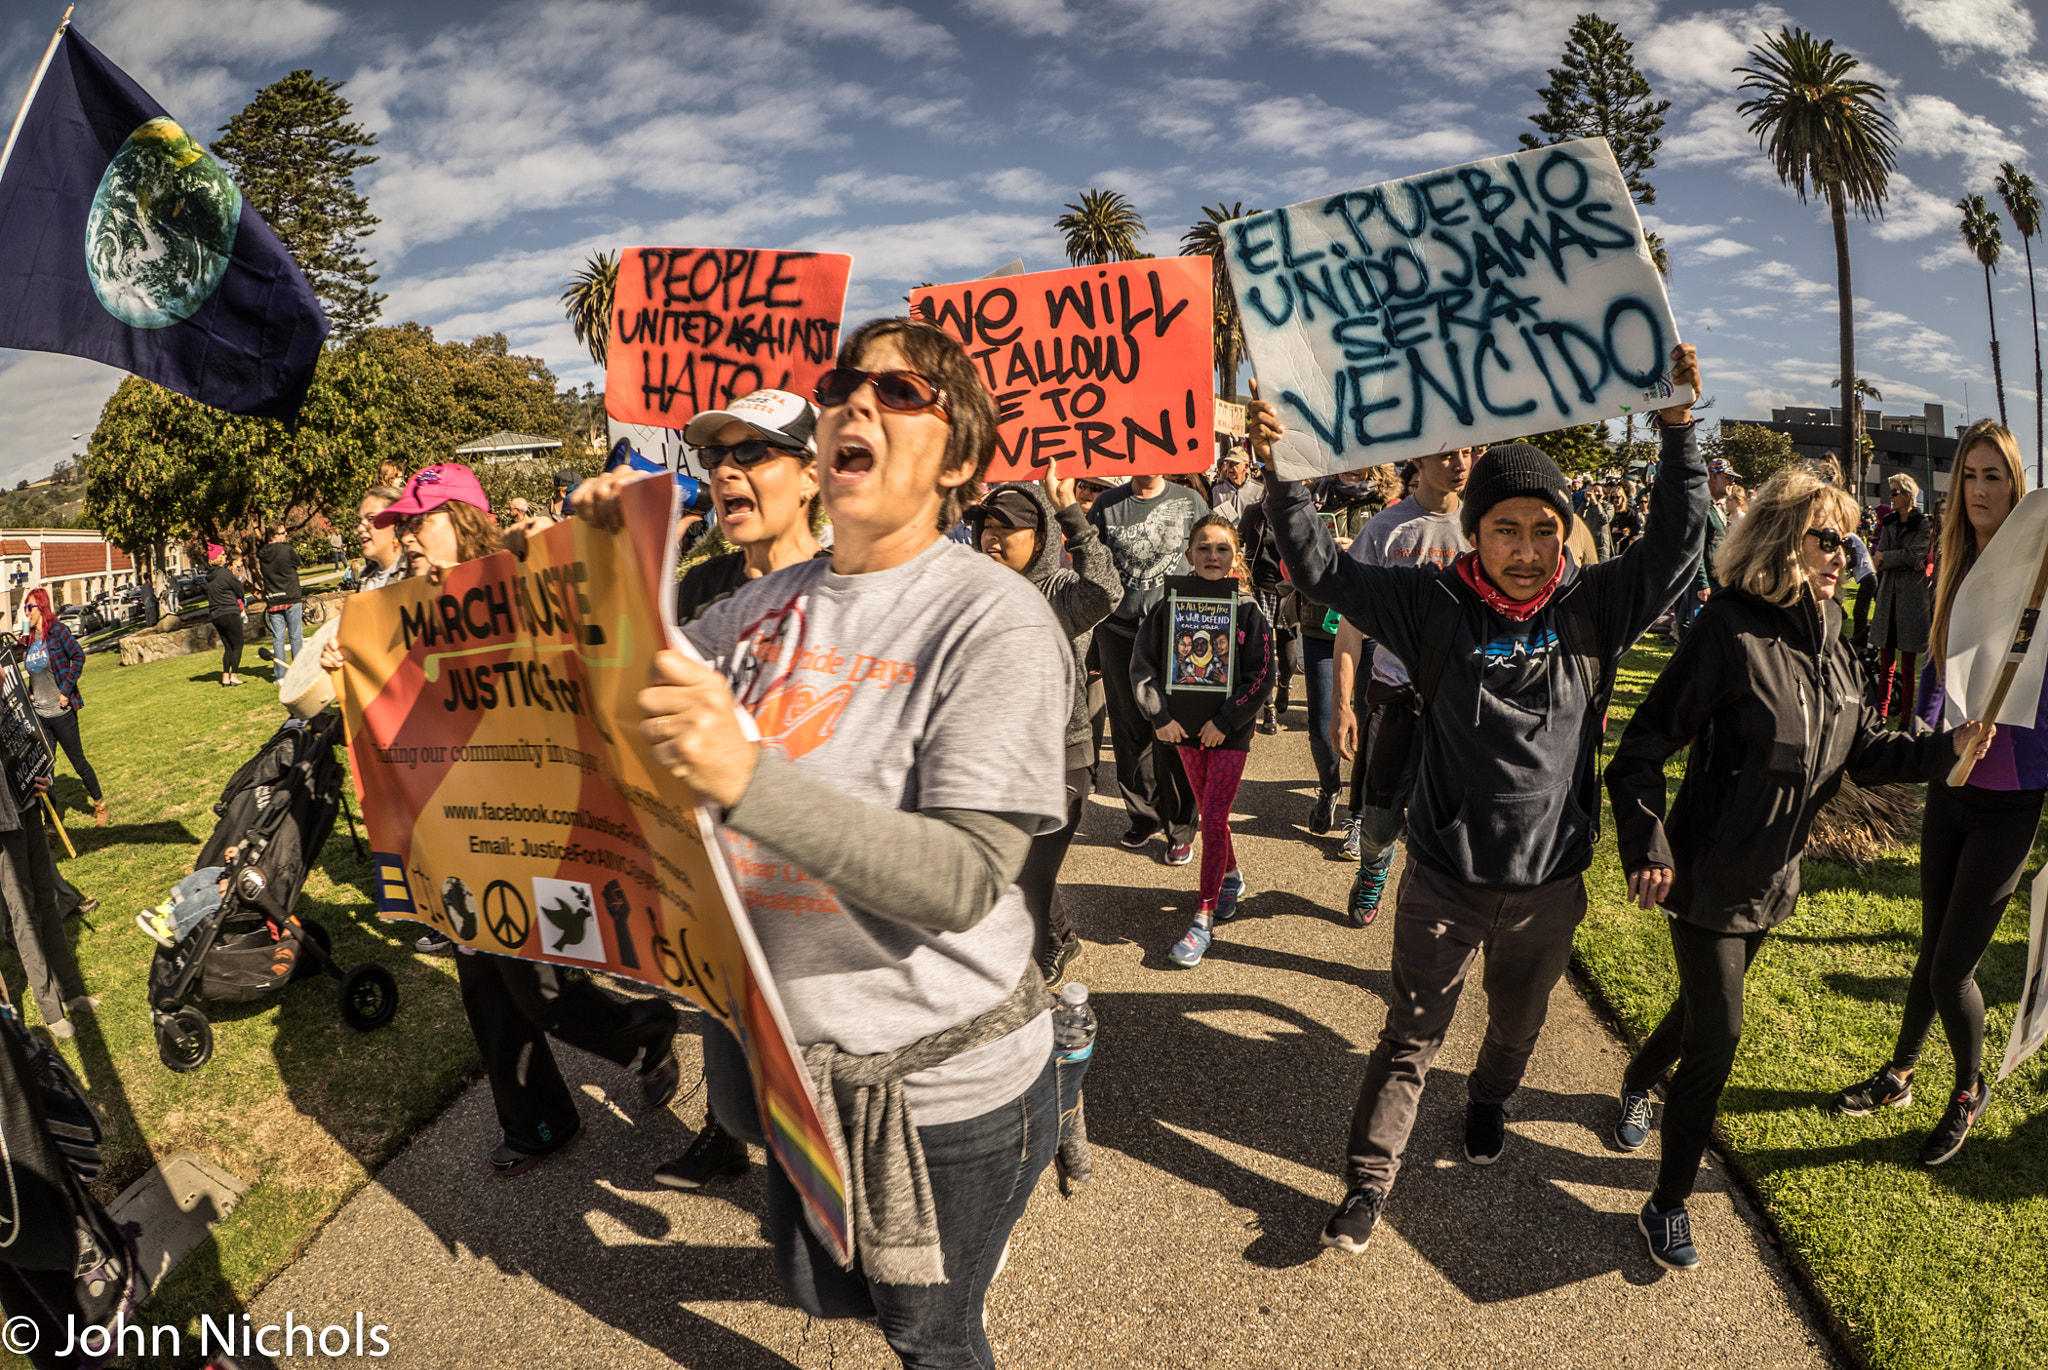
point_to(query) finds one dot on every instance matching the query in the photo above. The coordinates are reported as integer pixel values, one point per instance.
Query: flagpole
(34, 86)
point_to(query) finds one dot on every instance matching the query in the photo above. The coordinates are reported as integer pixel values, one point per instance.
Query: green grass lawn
(1922, 1267)
(294, 1102)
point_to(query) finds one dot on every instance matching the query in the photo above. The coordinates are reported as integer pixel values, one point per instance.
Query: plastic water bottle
(1073, 1025)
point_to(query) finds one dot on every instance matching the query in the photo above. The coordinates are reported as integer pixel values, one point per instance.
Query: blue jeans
(982, 1173)
(287, 621)
(1318, 655)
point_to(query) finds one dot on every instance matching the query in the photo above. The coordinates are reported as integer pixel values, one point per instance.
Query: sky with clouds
(937, 140)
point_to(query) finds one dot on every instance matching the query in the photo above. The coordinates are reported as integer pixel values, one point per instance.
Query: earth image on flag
(162, 227)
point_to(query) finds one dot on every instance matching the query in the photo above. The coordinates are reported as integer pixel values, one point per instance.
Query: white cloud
(1720, 247)
(1999, 26)
(180, 51)
(1290, 122)
(1912, 211)
(1478, 41)
(1021, 183)
(1785, 279)
(958, 247)
(1691, 54)
(897, 31)
(1674, 234)
(47, 397)
(1930, 126)
(1032, 18)
(866, 187)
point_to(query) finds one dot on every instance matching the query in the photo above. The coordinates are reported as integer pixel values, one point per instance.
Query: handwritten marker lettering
(1099, 370)
(693, 328)
(1470, 305)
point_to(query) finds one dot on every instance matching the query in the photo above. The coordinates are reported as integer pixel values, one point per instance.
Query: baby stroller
(276, 812)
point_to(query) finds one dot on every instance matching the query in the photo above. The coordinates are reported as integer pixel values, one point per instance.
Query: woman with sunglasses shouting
(911, 697)
(1976, 837)
(1767, 692)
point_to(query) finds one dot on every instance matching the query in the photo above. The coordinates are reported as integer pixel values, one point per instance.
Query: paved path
(1217, 1106)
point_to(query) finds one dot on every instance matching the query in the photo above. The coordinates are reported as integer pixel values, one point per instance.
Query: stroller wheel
(184, 1040)
(308, 966)
(369, 997)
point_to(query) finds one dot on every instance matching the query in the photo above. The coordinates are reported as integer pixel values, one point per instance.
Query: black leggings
(229, 626)
(1974, 846)
(64, 728)
(1700, 1035)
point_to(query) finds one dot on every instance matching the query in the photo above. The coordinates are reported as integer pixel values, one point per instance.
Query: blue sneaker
(1187, 952)
(1366, 888)
(1670, 1237)
(1233, 890)
(1632, 1131)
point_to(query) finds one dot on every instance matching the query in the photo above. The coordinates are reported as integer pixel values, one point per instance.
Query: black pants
(1699, 1035)
(28, 887)
(64, 728)
(229, 626)
(1040, 878)
(514, 1006)
(1973, 849)
(1866, 595)
(1156, 792)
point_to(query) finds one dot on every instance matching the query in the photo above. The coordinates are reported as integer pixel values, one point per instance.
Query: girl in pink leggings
(1202, 684)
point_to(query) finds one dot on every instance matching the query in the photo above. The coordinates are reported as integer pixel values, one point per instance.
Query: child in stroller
(192, 898)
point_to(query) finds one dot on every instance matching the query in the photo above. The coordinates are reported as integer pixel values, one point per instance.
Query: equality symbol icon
(506, 916)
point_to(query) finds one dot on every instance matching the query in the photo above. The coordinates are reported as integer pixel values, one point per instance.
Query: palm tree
(1866, 391)
(1981, 236)
(1205, 239)
(1822, 129)
(2016, 188)
(588, 300)
(1104, 227)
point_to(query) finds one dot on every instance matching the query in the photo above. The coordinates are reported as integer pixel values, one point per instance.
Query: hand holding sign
(694, 726)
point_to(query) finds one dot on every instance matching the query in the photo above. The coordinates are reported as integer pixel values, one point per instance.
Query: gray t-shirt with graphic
(942, 683)
(1406, 534)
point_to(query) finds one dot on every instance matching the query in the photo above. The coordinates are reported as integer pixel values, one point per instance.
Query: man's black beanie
(1511, 469)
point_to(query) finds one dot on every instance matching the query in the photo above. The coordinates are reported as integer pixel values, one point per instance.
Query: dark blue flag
(123, 240)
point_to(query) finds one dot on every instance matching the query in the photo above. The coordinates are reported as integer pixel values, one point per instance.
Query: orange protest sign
(1105, 370)
(513, 803)
(693, 328)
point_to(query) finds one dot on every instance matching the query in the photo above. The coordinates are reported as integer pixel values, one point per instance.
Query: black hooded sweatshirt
(1079, 598)
(1507, 789)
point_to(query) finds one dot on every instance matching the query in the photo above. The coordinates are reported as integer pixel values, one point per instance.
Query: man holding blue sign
(1513, 650)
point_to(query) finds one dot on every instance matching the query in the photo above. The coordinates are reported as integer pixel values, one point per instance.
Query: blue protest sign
(1483, 302)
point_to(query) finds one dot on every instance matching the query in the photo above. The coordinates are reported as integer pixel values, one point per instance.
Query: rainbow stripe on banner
(782, 1089)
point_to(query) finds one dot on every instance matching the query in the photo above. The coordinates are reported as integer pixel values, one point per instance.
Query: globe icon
(162, 227)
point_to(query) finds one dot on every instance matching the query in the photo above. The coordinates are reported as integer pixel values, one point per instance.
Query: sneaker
(1632, 1130)
(1233, 890)
(1956, 1121)
(1053, 966)
(1179, 853)
(1670, 1237)
(1269, 721)
(716, 1154)
(1350, 1227)
(1486, 1132)
(508, 1160)
(1187, 952)
(1324, 816)
(1882, 1090)
(1134, 839)
(1354, 834)
(157, 926)
(1366, 888)
(434, 944)
(658, 1082)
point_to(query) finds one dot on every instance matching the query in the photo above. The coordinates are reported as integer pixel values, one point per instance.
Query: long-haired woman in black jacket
(1767, 692)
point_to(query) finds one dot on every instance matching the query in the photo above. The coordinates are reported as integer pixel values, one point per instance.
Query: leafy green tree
(1982, 236)
(588, 301)
(1820, 125)
(2023, 202)
(1205, 239)
(1104, 227)
(1756, 453)
(1599, 92)
(295, 155)
(1580, 450)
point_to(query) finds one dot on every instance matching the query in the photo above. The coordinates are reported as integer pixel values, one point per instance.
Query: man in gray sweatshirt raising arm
(1512, 649)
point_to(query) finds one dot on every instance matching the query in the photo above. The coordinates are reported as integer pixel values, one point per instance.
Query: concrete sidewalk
(1218, 1106)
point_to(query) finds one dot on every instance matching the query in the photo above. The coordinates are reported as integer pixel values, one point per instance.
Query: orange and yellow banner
(513, 803)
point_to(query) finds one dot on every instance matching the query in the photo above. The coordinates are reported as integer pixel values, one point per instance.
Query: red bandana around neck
(1513, 610)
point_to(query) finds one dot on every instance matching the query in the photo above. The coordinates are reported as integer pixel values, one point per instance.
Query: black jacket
(1080, 597)
(1771, 699)
(1251, 683)
(1507, 789)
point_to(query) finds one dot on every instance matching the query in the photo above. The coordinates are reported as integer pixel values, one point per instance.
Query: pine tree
(1598, 92)
(295, 155)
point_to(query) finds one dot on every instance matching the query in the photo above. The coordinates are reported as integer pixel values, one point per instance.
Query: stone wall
(137, 648)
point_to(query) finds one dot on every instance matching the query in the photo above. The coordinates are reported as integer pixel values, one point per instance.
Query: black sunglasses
(904, 391)
(745, 455)
(1830, 541)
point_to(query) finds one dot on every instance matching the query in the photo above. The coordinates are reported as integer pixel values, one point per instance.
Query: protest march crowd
(894, 676)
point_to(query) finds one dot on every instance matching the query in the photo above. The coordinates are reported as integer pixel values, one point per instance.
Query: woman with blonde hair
(1976, 837)
(1768, 694)
(1899, 628)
